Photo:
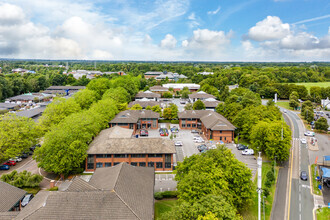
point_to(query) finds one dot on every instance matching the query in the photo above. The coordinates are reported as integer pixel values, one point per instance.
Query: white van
(248, 152)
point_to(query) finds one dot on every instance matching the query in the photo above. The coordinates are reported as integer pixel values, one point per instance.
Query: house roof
(28, 97)
(200, 95)
(158, 89)
(8, 105)
(102, 144)
(31, 113)
(211, 120)
(182, 85)
(211, 104)
(153, 73)
(119, 192)
(143, 103)
(132, 116)
(66, 87)
(147, 94)
(9, 196)
(8, 215)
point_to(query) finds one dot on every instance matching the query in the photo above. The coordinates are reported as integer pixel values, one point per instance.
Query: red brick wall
(195, 121)
(151, 123)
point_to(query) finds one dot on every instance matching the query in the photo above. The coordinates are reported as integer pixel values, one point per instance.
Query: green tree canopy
(85, 98)
(293, 100)
(99, 85)
(22, 179)
(136, 107)
(322, 124)
(198, 105)
(148, 107)
(119, 94)
(157, 108)
(188, 106)
(167, 95)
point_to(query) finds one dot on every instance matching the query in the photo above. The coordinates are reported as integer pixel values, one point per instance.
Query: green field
(252, 212)
(162, 206)
(319, 84)
(284, 105)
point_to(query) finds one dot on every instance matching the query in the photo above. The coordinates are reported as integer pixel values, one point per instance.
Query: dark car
(24, 155)
(194, 131)
(327, 183)
(4, 167)
(241, 147)
(26, 199)
(34, 147)
(10, 163)
(303, 175)
(144, 132)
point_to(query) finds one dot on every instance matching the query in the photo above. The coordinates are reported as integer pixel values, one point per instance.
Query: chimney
(52, 184)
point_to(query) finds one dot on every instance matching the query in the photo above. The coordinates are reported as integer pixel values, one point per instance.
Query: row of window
(127, 155)
(188, 119)
(141, 164)
(188, 125)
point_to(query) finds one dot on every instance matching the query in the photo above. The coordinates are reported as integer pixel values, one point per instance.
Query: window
(99, 155)
(225, 138)
(122, 124)
(183, 125)
(134, 164)
(116, 164)
(138, 155)
(149, 125)
(155, 155)
(107, 155)
(107, 164)
(142, 164)
(167, 165)
(151, 164)
(183, 121)
(99, 165)
(188, 125)
(220, 138)
(154, 123)
(121, 155)
(90, 162)
(159, 165)
(193, 125)
(168, 158)
(131, 126)
(220, 132)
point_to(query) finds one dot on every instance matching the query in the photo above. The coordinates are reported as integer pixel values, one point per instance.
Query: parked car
(248, 152)
(194, 131)
(199, 140)
(27, 198)
(34, 147)
(241, 147)
(24, 155)
(303, 175)
(303, 141)
(175, 129)
(4, 167)
(178, 143)
(16, 159)
(144, 132)
(284, 111)
(309, 133)
(327, 183)
(10, 163)
(201, 147)
(163, 132)
(182, 102)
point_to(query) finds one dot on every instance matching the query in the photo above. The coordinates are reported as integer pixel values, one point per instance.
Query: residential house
(147, 95)
(170, 76)
(119, 192)
(158, 89)
(115, 145)
(120, 73)
(179, 86)
(213, 125)
(211, 104)
(29, 98)
(8, 106)
(136, 119)
(199, 96)
(144, 103)
(10, 198)
(65, 90)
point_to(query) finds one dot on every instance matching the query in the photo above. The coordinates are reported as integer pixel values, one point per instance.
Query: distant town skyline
(166, 30)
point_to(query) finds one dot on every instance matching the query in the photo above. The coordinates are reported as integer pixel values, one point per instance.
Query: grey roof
(8, 105)
(8, 215)
(66, 87)
(158, 89)
(104, 145)
(211, 120)
(211, 104)
(9, 196)
(114, 132)
(119, 192)
(31, 113)
(132, 116)
(147, 94)
(143, 104)
(153, 73)
(28, 97)
(200, 95)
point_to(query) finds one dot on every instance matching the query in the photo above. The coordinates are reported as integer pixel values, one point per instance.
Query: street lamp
(275, 167)
(263, 202)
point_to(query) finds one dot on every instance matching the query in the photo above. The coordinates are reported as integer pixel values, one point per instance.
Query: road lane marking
(290, 180)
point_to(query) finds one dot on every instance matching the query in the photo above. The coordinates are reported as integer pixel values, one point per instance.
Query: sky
(166, 30)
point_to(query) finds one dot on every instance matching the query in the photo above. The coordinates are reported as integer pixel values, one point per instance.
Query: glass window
(142, 164)
(99, 165)
(99, 156)
(90, 162)
(121, 155)
(154, 124)
(167, 165)
(183, 121)
(107, 155)
(220, 132)
(225, 138)
(183, 125)
(151, 164)
(107, 164)
(138, 155)
(134, 164)
(188, 125)
(220, 138)
(168, 158)
(194, 125)
(159, 164)
(155, 155)
(116, 164)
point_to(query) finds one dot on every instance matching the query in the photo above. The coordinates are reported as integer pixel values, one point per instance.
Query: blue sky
(171, 30)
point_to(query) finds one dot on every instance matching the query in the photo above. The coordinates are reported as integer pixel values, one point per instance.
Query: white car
(16, 159)
(284, 111)
(309, 133)
(248, 152)
(303, 141)
(178, 143)
(198, 140)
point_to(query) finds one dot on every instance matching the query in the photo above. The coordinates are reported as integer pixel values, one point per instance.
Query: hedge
(166, 194)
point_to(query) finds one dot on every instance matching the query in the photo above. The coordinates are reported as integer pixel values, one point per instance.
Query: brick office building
(115, 145)
(147, 95)
(136, 119)
(213, 125)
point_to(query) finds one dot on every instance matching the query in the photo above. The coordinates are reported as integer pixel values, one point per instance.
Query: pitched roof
(66, 87)
(211, 120)
(8, 215)
(119, 192)
(132, 116)
(153, 73)
(211, 104)
(143, 103)
(104, 145)
(158, 89)
(200, 95)
(30, 113)
(8, 105)
(147, 94)
(9, 196)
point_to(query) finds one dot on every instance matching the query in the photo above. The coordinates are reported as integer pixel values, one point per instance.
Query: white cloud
(207, 39)
(313, 19)
(193, 20)
(214, 12)
(184, 43)
(168, 42)
(101, 55)
(271, 28)
(10, 14)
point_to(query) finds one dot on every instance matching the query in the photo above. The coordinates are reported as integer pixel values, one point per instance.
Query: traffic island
(314, 174)
(312, 144)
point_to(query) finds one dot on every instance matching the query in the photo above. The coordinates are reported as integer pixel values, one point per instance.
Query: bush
(174, 121)
(55, 188)
(266, 192)
(22, 179)
(164, 121)
(268, 183)
(166, 195)
(158, 195)
(270, 176)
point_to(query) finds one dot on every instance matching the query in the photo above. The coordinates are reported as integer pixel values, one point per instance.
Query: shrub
(158, 195)
(55, 188)
(166, 195)
(268, 183)
(266, 192)
(175, 121)
(270, 176)
(22, 179)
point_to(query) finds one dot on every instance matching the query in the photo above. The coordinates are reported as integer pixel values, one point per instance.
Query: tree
(57, 111)
(22, 179)
(157, 108)
(198, 105)
(85, 98)
(167, 95)
(136, 107)
(17, 134)
(99, 85)
(174, 111)
(322, 124)
(188, 106)
(306, 104)
(119, 94)
(148, 107)
(267, 137)
(308, 114)
(185, 94)
(167, 113)
(293, 100)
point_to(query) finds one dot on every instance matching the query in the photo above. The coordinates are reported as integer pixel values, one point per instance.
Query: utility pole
(275, 168)
(259, 162)
(263, 202)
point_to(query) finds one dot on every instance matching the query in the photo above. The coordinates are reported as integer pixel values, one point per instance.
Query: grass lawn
(314, 182)
(284, 105)
(33, 190)
(164, 205)
(319, 84)
(323, 214)
(252, 212)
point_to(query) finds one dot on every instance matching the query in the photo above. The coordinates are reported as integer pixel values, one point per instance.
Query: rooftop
(158, 89)
(133, 116)
(200, 95)
(9, 196)
(144, 103)
(182, 85)
(147, 94)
